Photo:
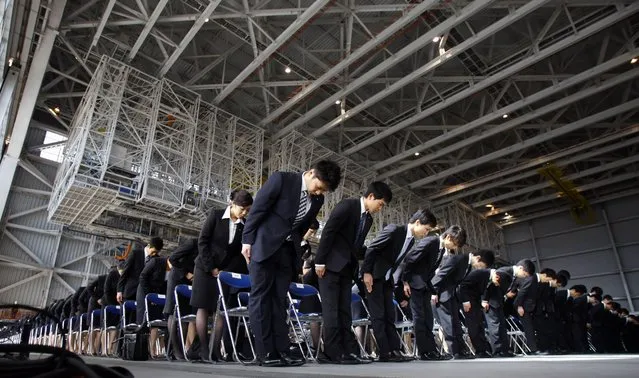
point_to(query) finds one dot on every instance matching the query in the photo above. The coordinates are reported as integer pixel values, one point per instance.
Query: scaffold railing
(142, 145)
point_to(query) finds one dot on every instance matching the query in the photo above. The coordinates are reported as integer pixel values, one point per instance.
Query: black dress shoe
(271, 360)
(466, 355)
(506, 354)
(289, 360)
(353, 359)
(394, 356)
(435, 356)
(484, 354)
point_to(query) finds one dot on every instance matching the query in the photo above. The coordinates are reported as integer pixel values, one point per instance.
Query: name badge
(237, 276)
(299, 285)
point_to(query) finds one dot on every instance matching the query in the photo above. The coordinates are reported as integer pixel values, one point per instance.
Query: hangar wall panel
(587, 251)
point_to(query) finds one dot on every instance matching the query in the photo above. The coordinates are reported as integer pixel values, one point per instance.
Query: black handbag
(135, 346)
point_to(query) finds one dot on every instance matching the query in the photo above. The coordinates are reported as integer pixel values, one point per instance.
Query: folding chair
(403, 327)
(361, 322)
(465, 335)
(96, 315)
(236, 281)
(183, 311)
(304, 320)
(129, 306)
(84, 322)
(517, 337)
(154, 304)
(109, 311)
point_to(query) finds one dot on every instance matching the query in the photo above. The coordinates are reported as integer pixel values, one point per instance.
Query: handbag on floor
(135, 346)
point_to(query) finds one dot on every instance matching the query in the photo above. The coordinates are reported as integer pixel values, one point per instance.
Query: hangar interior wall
(605, 253)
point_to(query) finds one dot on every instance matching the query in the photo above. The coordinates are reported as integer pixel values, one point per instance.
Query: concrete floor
(584, 366)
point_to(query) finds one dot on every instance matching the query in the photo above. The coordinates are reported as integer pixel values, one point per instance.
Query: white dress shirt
(232, 225)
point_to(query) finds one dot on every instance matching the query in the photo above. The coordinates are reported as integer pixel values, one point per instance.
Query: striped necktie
(301, 211)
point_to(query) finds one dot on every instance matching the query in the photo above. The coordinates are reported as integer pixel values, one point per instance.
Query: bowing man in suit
(134, 263)
(219, 248)
(545, 311)
(493, 304)
(471, 291)
(417, 272)
(182, 262)
(283, 210)
(336, 265)
(525, 304)
(382, 259)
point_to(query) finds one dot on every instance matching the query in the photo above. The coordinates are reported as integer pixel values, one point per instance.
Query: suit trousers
(579, 336)
(335, 290)
(497, 329)
(527, 323)
(380, 304)
(270, 280)
(475, 326)
(448, 317)
(545, 330)
(422, 310)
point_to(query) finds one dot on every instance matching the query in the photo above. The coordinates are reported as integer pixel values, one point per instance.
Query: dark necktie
(439, 257)
(359, 237)
(468, 269)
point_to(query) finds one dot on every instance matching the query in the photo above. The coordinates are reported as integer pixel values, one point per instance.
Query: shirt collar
(538, 277)
(441, 245)
(409, 233)
(470, 258)
(363, 207)
(492, 274)
(227, 215)
(304, 182)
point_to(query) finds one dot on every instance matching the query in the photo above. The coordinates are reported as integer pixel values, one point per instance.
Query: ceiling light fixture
(634, 60)
(416, 153)
(504, 116)
(436, 39)
(337, 102)
(287, 70)
(56, 109)
(206, 20)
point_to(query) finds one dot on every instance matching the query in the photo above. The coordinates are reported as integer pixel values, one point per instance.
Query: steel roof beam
(289, 32)
(527, 117)
(199, 22)
(402, 22)
(601, 116)
(469, 43)
(620, 14)
(147, 29)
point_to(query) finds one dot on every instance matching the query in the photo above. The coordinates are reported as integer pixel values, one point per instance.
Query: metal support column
(534, 245)
(28, 100)
(618, 260)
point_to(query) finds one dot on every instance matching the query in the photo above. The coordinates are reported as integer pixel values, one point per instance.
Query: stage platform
(618, 366)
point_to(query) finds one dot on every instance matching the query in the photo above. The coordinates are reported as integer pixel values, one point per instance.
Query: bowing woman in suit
(152, 280)
(219, 248)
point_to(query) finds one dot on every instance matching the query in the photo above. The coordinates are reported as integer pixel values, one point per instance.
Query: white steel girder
(469, 43)
(525, 61)
(410, 16)
(514, 122)
(498, 179)
(620, 109)
(147, 29)
(281, 39)
(28, 100)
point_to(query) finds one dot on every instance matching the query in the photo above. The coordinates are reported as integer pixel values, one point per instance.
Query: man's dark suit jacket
(96, 287)
(420, 263)
(183, 258)
(129, 279)
(337, 246)
(76, 307)
(383, 251)
(272, 215)
(451, 272)
(213, 243)
(495, 294)
(545, 298)
(474, 285)
(526, 293)
(111, 288)
(152, 276)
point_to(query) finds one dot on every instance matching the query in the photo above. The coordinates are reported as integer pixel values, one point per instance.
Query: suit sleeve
(126, 272)
(376, 247)
(444, 272)
(92, 289)
(522, 292)
(264, 200)
(467, 286)
(336, 220)
(207, 249)
(110, 287)
(146, 277)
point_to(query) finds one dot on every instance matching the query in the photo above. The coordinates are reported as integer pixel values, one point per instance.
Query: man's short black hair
(597, 290)
(528, 265)
(616, 306)
(549, 273)
(565, 274)
(624, 311)
(607, 297)
(328, 172)
(379, 190)
(457, 233)
(581, 289)
(486, 256)
(241, 197)
(561, 280)
(157, 243)
(424, 216)
(596, 296)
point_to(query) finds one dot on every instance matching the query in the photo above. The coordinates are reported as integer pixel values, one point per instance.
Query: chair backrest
(243, 298)
(184, 290)
(355, 298)
(130, 305)
(115, 310)
(156, 299)
(235, 280)
(302, 290)
(96, 313)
